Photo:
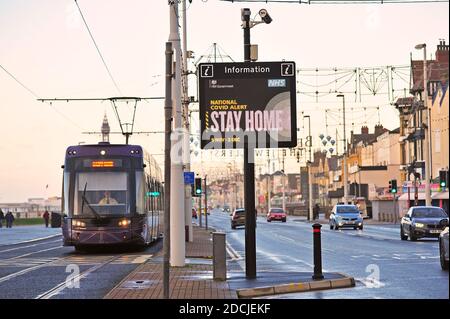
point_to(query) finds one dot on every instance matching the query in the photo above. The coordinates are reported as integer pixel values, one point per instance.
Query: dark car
(238, 218)
(345, 216)
(276, 214)
(422, 222)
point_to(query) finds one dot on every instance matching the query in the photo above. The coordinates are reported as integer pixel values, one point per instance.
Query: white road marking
(371, 282)
(233, 253)
(28, 246)
(27, 270)
(36, 252)
(32, 240)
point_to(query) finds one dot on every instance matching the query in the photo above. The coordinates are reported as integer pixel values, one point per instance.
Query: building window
(437, 142)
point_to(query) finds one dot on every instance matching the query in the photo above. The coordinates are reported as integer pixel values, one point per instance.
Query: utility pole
(309, 163)
(249, 173)
(268, 184)
(345, 152)
(206, 205)
(177, 240)
(427, 146)
(186, 149)
(168, 128)
(284, 186)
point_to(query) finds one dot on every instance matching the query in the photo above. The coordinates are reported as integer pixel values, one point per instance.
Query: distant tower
(105, 130)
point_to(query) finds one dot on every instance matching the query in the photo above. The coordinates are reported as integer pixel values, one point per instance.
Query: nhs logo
(276, 83)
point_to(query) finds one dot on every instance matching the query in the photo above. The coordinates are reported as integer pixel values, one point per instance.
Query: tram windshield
(101, 193)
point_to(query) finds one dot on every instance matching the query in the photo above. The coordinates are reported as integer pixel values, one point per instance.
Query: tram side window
(101, 193)
(65, 197)
(140, 192)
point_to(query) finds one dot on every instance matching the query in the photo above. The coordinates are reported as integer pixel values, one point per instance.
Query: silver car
(443, 249)
(346, 216)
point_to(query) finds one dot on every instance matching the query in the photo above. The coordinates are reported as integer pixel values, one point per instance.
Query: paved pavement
(18, 234)
(382, 265)
(193, 281)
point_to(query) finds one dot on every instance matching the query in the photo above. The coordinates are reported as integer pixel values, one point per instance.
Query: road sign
(189, 178)
(252, 103)
(153, 194)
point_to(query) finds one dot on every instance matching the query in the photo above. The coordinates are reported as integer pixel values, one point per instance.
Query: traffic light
(197, 191)
(443, 179)
(394, 186)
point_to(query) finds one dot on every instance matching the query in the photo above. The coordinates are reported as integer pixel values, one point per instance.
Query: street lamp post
(310, 188)
(345, 151)
(249, 173)
(428, 172)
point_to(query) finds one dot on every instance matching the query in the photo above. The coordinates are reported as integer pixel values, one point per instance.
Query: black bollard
(317, 246)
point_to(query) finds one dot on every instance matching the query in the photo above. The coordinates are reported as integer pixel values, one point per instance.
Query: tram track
(28, 246)
(30, 269)
(63, 285)
(35, 252)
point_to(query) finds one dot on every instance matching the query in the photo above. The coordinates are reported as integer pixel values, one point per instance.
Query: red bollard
(317, 247)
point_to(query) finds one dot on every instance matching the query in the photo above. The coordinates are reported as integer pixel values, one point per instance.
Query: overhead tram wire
(342, 2)
(98, 50)
(113, 101)
(37, 96)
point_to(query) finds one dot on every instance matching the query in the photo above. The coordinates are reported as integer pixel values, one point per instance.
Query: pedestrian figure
(46, 217)
(9, 219)
(316, 211)
(2, 216)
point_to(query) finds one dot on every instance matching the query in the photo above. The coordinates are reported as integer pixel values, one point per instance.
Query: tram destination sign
(249, 103)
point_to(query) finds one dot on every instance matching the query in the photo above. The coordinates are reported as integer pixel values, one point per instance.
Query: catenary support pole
(177, 220)
(168, 126)
(187, 152)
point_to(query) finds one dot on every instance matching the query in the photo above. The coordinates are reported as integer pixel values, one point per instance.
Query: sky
(46, 46)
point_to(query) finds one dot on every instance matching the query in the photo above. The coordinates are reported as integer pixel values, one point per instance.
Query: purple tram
(112, 194)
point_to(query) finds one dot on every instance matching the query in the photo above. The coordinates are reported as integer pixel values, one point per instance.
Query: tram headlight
(78, 223)
(124, 222)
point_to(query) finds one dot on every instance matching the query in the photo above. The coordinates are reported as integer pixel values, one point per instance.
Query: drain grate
(137, 284)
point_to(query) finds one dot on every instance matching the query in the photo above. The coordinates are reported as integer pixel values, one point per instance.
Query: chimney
(364, 130)
(442, 51)
(379, 129)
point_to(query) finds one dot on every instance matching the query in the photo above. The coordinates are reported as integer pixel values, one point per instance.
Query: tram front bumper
(103, 237)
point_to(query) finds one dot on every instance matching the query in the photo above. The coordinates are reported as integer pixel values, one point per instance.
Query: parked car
(194, 213)
(276, 214)
(423, 222)
(346, 216)
(443, 248)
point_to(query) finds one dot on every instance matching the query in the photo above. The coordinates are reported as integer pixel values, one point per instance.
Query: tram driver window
(105, 193)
